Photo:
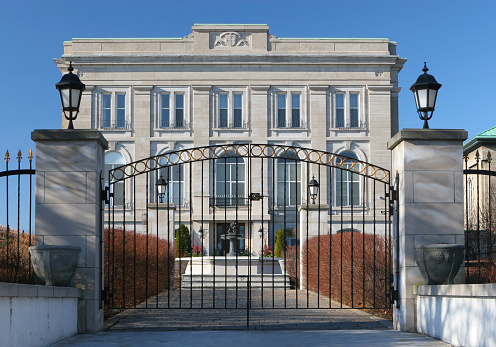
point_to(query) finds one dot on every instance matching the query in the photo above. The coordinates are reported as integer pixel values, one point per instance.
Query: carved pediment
(231, 39)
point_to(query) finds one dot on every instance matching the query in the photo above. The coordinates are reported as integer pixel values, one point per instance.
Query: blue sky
(456, 38)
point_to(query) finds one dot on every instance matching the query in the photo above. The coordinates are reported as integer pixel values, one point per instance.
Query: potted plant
(439, 263)
(54, 265)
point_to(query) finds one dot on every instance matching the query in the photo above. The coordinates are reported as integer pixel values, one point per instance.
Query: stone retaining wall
(460, 314)
(32, 315)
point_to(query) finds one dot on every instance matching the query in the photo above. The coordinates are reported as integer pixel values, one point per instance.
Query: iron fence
(16, 236)
(480, 217)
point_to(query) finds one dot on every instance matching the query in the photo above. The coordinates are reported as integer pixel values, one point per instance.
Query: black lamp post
(425, 93)
(313, 187)
(71, 89)
(161, 185)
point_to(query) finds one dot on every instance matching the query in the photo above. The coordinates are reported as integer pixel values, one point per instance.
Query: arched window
(113, 160)
(230, 182)
(288, 181)
(347, 187)
(174, 176)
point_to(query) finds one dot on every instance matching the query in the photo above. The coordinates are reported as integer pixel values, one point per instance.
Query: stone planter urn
(54, 265)
(439, 263)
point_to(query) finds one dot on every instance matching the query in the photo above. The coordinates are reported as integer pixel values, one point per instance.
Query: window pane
(118, 189)
(354, 118)
(238, 100)
(106, 110)
(280, 194)
(241, 172)
(238, 123)
(223, 101)
(340, 110)
(339, 118)
(120, 121)
(179, 100)
(295, 118)
(165, 114)
(281, 118)
(121, 100)
(223, 118)
(354, 111)
(179, 115)
(281, 100)
(353, 100)
(106, 98)
(179, 118)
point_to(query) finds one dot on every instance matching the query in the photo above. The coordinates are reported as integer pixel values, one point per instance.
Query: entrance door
(224, 245)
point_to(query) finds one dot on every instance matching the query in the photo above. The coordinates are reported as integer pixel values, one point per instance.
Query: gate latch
(255, 196)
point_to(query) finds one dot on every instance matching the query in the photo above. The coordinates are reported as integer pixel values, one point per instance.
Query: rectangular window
(223, 108)
(174, 192)
(238, 110)
(120, 117)
(288, 182)
(281, 110)
(295, 110)
(354, 111)
(106, 110)
(339, 110)
(165, 110)
(179, 108)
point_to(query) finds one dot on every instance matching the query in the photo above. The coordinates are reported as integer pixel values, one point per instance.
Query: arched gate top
(314, 156)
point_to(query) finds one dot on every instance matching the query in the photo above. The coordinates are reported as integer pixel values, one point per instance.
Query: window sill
(115, 130)
(230, 129)
(349, 129)
(172, 129)
(290, 129)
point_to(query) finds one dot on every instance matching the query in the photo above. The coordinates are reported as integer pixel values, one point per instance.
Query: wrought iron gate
(236, 226)
(479, 218)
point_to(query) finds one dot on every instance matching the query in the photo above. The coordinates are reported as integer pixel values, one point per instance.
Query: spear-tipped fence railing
(17, 235)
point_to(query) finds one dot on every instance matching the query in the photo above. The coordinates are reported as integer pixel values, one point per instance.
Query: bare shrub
(15, 262)
(141, 269)
(353, 273)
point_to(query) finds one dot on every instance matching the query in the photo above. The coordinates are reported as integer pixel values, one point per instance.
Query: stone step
(221, 281)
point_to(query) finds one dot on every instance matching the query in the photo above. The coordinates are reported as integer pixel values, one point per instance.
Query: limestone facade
(235, 83)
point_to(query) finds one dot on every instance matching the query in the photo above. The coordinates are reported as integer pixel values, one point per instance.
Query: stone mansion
(224, 84)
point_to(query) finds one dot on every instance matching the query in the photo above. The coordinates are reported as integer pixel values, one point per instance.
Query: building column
(428, 173)
(69, 171)
(258, 119)
(143, 125)
(313, 222)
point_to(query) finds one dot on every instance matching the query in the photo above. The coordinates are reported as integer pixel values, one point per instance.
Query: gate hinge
(106, 195)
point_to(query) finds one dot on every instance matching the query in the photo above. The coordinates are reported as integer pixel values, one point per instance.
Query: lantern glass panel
(314, 190)
(432, 98)
(422, 99)
(70, 101)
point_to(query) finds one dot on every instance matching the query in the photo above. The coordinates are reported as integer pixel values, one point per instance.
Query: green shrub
(183, 241)
(280, 243)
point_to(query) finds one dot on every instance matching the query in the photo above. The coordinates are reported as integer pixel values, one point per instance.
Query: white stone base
(221, 272)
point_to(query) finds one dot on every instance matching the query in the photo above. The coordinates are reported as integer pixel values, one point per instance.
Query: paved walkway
(228, 327)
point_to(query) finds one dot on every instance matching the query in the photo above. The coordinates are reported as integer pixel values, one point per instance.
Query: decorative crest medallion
(230, 39)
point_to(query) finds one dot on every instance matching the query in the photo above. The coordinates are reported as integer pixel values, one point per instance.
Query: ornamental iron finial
(19, 156)
(30, 155)
(425, 69)
(7, 156)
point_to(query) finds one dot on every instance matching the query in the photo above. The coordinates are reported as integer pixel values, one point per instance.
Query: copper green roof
(487, 137)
